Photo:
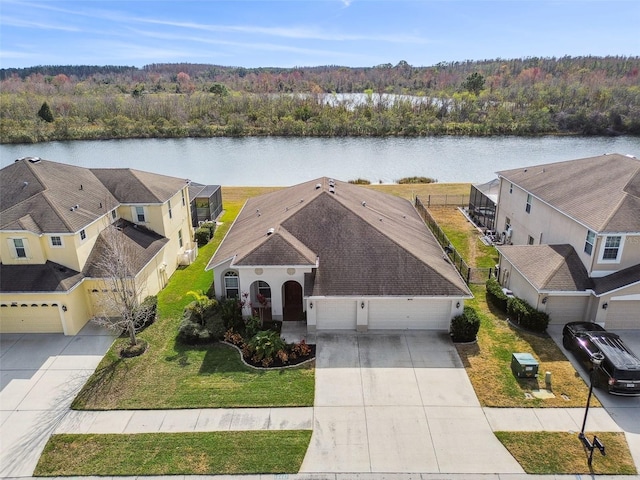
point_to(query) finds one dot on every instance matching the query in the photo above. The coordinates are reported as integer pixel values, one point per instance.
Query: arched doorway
(292, 301)
(260, 298)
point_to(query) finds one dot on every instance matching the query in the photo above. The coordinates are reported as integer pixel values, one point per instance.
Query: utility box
(523, 365)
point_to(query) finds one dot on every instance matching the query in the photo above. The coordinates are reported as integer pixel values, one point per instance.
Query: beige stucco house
(572, 234)
(54, 219)
(342, 256)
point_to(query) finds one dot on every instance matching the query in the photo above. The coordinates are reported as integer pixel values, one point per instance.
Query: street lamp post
(596, 360)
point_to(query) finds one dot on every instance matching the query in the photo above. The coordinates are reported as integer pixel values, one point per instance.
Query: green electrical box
(523, 365)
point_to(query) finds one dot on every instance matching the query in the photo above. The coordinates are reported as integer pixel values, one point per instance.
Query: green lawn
(171, 375)
(175, 453)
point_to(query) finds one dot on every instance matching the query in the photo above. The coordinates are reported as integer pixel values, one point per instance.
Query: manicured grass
(175, 453)
(563, 453)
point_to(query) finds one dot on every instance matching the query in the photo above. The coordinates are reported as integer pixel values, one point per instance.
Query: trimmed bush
(146, 313)
(191, 332)
(527, 317)
(464, 328)
(202, 236)
(495, 295)
(211, 226)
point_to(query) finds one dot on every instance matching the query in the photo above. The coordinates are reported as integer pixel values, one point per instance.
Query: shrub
(192, 333)
(202, 236)
(146, 313)
(360, 181)
(495, 295)
(265, 345)
(527, 317)
(231, 311)
(406, 180)
(252, 325)
(202, 307)
(211, 226)
(464, 328)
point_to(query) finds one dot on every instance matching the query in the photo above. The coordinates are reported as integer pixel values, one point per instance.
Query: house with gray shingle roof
(572, 232)
(54, 220)
(341, 256)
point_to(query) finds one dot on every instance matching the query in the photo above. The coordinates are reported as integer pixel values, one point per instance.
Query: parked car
(619, 372)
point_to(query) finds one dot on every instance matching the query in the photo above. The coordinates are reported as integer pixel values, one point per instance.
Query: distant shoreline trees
(532, 96)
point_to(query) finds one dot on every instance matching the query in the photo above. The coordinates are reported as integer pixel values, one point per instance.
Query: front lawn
(209, 453)
(171, 375)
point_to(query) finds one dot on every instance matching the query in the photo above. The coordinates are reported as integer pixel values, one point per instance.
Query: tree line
(531, 96)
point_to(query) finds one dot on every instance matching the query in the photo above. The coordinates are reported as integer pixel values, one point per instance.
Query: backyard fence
(453, 200)
(469, 274)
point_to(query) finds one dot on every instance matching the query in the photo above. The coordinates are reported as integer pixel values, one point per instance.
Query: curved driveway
(398, 402)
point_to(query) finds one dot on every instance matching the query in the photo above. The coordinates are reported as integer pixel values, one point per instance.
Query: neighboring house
(344, 256)
(482, 203)
(206, 202)
(53, 222)
(574, 227)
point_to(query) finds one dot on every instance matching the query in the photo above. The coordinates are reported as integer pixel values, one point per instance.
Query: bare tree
(116, 262)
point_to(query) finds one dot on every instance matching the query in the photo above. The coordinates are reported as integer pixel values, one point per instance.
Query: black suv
(619, 372)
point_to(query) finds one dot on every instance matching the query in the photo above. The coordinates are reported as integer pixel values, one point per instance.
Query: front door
(292, 301)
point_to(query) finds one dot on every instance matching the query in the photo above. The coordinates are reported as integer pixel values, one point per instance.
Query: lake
(277, 161)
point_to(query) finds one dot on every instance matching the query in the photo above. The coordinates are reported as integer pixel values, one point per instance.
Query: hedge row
(518, 310)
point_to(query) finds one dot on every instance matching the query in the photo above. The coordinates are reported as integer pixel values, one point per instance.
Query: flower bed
(267, 349)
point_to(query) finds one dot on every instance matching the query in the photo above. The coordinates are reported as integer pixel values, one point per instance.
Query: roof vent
(318, 186)
(364, 204)
(271, 231)
(33, 159)
(332, 190)
(25, 184)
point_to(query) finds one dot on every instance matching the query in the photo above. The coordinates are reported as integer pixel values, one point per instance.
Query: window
(19, 246)
(114, 214)
(528, 207)
(170, 214)
(588, 243)
(56, 241)
(611, 248)
(83, 235)
(264, 289)
(231, 285)
(180, 238)
(531, 240)
(184, 200)
(140, 214)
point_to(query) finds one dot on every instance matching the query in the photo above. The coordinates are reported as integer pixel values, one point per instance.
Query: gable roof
(578, 187)
(40, 196)
(549, 267)
(45, 277)
(365, 242)
(617, 280)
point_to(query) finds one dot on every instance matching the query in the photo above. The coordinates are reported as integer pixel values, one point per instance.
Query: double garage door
(623, 314)
(30, 319)
(384, 314)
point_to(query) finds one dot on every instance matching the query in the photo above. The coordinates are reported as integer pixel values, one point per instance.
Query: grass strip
(175, 453)
(563, 453)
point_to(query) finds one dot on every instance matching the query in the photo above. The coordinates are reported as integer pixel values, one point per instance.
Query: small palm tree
(200, 305)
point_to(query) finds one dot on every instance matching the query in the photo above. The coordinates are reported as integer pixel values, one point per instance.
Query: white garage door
(623, 314)
(30, 319)
(409, 314)
(566, 309)
(336, 314)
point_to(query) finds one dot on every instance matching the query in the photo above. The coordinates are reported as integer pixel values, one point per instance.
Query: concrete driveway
(40, 374)
(625, 411)
(398, 402)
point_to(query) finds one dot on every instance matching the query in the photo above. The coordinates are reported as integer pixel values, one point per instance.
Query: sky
(353, 33)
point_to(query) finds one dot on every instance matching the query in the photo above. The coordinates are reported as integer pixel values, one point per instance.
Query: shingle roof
(144, 245)
(367, 242)
(45, 277)
(549, 267)
(134, 186)
(617, 280)
(40, 195)
(579, 189)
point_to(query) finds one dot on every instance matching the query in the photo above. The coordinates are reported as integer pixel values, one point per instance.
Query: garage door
(623, 314)
(30, 319)
(334, 314)
(409, 314)
(566, 309)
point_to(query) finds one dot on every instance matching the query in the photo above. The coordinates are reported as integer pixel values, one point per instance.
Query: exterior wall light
(310, 304)
(64, 308)
(544, 299)
(458, 305)
(605, 305)
(361, 304)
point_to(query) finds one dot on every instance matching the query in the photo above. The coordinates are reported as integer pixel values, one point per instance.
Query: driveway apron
(398, 402)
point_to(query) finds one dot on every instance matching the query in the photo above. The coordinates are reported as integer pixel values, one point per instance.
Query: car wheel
(566, 343)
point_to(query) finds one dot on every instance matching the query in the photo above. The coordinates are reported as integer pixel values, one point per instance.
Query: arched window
(264, 289)
(231, 285)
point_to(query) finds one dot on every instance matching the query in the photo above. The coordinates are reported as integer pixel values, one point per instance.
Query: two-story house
(572, 238)
(53, 221)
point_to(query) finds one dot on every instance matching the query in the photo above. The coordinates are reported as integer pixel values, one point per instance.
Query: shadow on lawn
(101, 378)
